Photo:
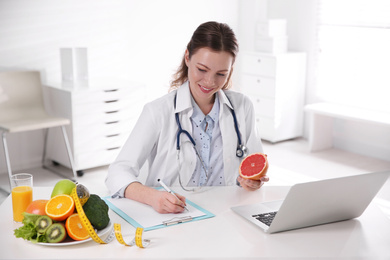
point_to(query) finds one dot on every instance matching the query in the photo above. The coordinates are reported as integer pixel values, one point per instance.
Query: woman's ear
(228, 83)
(187, 57)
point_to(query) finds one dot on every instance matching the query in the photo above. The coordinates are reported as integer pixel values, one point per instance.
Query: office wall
(362, 138)
(138, 40)
(143, 40)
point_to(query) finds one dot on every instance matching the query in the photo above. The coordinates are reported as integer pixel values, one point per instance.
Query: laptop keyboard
(265, 218)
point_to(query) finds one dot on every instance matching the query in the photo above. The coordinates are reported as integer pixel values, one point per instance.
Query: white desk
(321, 121)
(226, 236)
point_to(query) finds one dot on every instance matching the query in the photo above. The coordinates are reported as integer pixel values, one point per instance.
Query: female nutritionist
(194, 135)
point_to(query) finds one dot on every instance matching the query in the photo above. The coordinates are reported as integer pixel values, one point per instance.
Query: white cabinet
(276, 85)
(102, 117)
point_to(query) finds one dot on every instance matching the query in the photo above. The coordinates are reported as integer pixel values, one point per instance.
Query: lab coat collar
(224, 99)
(183, 98)
(188, 156)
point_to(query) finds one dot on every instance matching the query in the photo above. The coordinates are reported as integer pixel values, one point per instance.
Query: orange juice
(21, 198)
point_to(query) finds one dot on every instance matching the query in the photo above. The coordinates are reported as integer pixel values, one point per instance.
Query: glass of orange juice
(21, 185)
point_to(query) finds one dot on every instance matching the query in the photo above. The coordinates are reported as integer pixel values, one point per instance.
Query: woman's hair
(216, 36)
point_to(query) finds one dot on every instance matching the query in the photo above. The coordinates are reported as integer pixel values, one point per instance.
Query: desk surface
(226, 236)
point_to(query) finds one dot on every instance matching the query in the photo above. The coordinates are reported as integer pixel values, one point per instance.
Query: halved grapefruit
(254, 166)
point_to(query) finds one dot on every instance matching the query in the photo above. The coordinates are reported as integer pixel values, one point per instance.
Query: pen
(169, 190)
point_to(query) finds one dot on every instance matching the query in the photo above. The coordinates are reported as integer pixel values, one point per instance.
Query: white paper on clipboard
(141, 215)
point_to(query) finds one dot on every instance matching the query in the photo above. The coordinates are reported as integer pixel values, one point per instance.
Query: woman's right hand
(161, 201)
(164, 202)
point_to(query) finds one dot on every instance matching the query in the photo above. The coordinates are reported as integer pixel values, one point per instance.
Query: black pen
(169, 190)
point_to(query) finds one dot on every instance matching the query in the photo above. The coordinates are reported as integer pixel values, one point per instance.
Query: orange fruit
(75, 228)
(254, 166)
(60, 207)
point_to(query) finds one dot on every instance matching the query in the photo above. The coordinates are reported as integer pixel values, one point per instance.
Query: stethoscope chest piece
(241, 151)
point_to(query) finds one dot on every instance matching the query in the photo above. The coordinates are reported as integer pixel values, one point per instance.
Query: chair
(22, 109)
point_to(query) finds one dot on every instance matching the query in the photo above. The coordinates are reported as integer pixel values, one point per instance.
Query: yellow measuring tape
(116, 232)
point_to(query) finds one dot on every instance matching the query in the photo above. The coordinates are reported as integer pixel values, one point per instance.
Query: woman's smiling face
(208, 72)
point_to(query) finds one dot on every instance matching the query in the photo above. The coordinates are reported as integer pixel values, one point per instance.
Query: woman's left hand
(252, 185)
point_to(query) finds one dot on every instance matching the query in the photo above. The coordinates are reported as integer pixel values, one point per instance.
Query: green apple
(64, 186)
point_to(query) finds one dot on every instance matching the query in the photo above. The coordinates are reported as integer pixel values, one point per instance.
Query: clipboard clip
(177, 220)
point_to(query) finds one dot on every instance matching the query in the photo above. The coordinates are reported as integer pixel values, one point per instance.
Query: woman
(201, 104)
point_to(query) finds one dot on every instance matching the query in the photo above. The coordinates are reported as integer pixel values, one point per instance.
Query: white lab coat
(153, 139)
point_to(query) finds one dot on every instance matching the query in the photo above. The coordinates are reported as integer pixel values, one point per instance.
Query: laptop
(315, 203)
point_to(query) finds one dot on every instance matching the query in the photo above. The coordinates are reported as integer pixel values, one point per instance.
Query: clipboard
(144, 216)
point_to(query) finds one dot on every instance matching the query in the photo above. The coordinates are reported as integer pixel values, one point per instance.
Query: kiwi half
(42, 223)
(56, 233)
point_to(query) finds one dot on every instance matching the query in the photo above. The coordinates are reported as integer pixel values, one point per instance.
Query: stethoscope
(241, 150)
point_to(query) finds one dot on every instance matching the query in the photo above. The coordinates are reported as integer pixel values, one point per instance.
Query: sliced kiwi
(42, 223)
(56, 233)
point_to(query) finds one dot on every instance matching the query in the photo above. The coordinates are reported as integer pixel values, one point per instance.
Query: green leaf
(28, 231)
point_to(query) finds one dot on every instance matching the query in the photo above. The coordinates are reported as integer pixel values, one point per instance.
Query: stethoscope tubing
(241, 149)
(181, 131)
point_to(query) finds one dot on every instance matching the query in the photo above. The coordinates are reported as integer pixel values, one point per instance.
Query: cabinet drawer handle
(110, 90)
(113, 148)
(112, 122)
(111, 112)
(258, 60)
(112, 135)
(111, 101)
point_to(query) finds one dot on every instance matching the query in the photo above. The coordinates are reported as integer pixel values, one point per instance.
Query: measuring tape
(137, 240)
(80, 197)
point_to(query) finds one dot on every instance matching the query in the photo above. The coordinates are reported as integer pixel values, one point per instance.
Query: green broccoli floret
(96, 211)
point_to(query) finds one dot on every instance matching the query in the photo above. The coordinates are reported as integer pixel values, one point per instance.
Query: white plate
(69, 242)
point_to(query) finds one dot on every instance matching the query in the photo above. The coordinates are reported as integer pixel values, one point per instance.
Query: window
(354, 53)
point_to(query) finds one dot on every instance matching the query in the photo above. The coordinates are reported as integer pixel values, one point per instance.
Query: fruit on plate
(28, 231)
(56, 233)
(75, 228)
(43, 223)
(56, 218)
(63, 186)
(37, 207)
(254, 166)
(60, 207)
(96, 211)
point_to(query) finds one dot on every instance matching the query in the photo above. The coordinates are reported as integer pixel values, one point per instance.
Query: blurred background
(345, 45)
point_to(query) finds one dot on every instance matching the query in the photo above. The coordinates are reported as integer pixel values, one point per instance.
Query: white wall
(301, 30)
(362, 138)
(138, 40)
(143, 40)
